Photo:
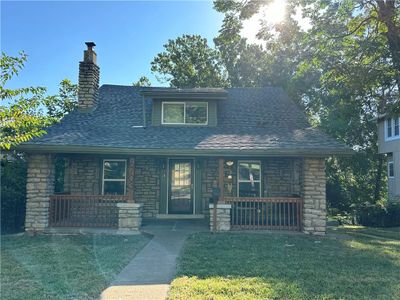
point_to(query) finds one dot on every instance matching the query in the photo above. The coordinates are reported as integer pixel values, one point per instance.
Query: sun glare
(272, 13)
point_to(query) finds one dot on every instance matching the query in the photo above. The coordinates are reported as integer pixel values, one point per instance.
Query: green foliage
(143, 81)
(25, 112)
(13, 192)
(378, 215)
(21, 116)
(63, 103)
(189, 62)
(343, 70)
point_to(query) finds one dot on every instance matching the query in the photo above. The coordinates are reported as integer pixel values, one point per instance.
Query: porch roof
(252, 121)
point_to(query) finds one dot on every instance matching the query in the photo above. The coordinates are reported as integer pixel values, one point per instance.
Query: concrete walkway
(151, 271)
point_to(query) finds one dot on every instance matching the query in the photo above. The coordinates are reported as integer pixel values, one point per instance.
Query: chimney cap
(90, 45)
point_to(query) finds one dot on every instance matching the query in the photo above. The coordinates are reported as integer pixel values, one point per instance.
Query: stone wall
(129, 217)
(147, 185)
(281, 177)
(83, 175)
(40, 184)
(314, 196)
(223, 219)
(209, 175)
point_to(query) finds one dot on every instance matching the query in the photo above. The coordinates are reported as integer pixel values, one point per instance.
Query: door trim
(194, 181)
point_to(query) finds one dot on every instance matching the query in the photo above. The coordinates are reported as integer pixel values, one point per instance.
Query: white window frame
(110, 180)
(393, 137)
(184, 113)
(243, 180)
(390, 163)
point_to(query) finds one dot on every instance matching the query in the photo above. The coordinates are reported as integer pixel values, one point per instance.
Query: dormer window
(392, 128)
(184, 113)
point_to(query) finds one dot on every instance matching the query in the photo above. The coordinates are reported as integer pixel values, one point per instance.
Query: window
(390, 169)
(114, 177)
(193, 113)
(249, 179)
(392, 128)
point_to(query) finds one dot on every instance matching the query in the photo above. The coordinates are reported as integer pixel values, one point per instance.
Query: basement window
(185, 113)
(114, 177)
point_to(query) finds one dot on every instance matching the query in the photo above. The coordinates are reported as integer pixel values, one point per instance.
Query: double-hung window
(114, 177)
(249, 179)
(392, 128)
(185, 113)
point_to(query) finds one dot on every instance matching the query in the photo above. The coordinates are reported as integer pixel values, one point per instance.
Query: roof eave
(317, 152)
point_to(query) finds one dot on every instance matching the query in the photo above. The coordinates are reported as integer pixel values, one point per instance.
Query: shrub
(13, 193)
(378, 215)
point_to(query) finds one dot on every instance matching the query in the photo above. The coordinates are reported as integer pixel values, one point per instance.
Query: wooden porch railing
(84, 210)
(266, 213)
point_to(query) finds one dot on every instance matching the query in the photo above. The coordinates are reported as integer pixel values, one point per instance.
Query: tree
(63, 103)
(343, 71)
(243, 62)
(188, 62)
(25, 112)
(143, 81)
(21, 114)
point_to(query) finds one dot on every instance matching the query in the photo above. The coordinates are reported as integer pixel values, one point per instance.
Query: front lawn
(63, 267)
(288, 266)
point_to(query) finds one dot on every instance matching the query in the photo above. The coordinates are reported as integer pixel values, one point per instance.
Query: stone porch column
(39, 186)
(129, 217)
(223, 219)
(314, 196)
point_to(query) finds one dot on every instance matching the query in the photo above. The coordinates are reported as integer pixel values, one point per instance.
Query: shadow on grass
(63, 267)
(278, 266)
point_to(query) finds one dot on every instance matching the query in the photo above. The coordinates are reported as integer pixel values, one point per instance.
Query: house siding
(392, 149)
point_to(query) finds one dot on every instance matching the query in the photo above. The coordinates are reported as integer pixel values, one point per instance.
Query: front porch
(277, 193)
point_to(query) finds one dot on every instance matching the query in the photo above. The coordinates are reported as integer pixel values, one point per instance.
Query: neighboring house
(131, 153)
(389, 144)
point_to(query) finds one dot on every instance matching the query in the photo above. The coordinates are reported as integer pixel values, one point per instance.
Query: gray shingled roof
(251, 121)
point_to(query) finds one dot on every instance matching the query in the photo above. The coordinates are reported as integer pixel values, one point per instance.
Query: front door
(180, 189)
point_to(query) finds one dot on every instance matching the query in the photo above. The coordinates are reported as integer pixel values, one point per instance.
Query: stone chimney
(89, 74)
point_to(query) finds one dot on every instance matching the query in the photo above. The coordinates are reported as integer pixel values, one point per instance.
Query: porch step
(179, 216)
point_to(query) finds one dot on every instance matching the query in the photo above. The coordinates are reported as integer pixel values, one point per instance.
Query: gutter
(184, 152)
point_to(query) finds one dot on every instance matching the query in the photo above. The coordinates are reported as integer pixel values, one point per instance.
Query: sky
(128, 35)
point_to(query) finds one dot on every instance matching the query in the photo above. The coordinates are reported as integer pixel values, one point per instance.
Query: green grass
(287, 266)
(389, 233)
(63, 267)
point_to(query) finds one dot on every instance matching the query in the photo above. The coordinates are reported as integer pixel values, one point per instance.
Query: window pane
(389, 127)
(391, 169)
(249, 171)
(114, 187)
(248, 189)
(396, 126)
(114, 169)
(173, 113)
(196, 113)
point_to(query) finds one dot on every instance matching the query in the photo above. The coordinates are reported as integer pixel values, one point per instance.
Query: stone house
(129, 153)
(389, 144)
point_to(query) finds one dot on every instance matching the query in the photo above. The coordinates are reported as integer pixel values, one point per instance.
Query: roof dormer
(184, 107)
